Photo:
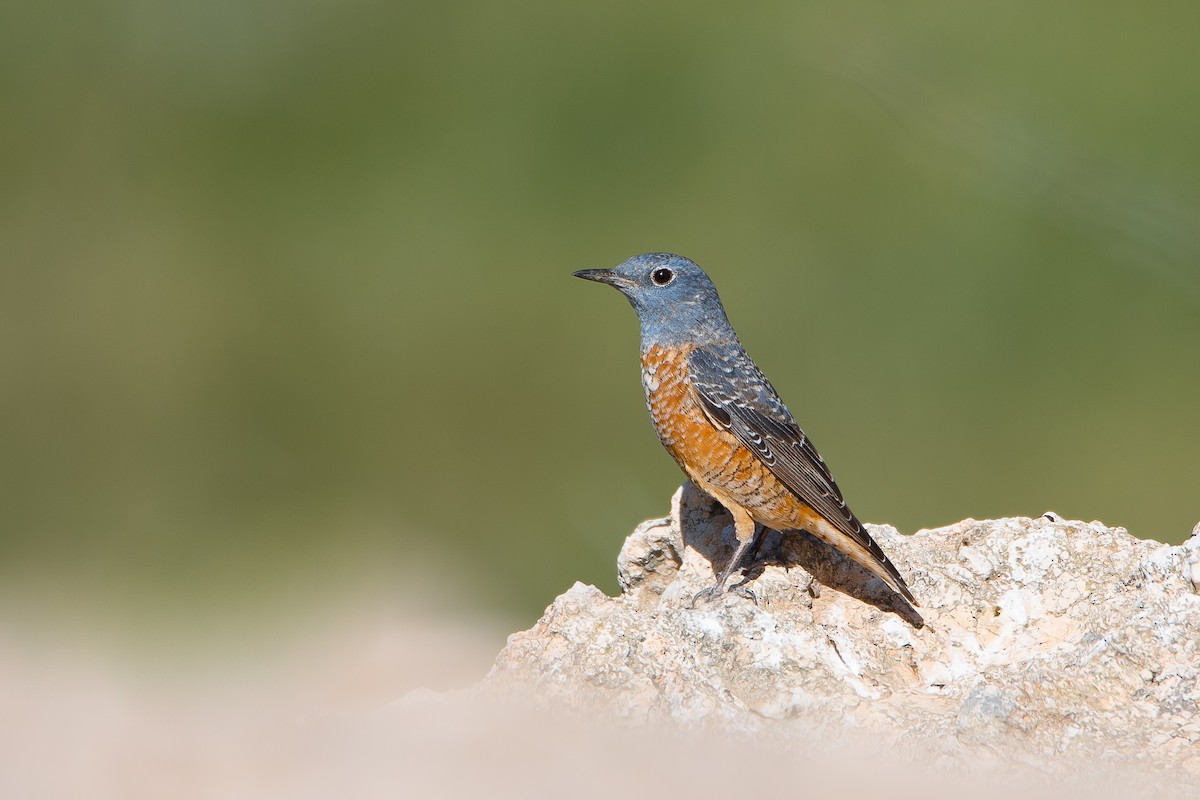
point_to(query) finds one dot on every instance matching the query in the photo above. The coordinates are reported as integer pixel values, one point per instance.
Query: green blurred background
(287, 298)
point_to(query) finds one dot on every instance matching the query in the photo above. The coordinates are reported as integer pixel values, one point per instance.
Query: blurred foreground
(327, 721)
(292, 714)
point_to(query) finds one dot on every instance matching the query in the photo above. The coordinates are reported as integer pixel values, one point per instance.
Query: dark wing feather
(737, 397)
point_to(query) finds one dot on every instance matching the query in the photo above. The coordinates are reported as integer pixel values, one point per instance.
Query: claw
(715, 591)
(707, 595)
(744, 592)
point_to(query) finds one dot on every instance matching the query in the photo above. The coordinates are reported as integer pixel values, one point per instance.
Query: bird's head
(674, 299)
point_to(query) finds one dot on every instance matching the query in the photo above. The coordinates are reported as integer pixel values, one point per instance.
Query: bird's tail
(868, 554)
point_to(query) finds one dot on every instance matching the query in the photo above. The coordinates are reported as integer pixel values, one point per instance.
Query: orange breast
(678, 419)
(713, 458)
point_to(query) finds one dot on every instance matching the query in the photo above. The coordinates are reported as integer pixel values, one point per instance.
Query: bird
(723, 422)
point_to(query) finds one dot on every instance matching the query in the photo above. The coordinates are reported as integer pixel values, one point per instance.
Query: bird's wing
(737, 397)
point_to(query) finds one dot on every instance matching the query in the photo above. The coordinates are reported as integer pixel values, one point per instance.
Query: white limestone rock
(1037, 638)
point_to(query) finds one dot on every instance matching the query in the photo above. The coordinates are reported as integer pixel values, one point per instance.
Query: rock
(1036, 638)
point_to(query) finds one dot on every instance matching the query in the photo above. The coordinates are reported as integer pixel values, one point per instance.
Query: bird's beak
(601, 276)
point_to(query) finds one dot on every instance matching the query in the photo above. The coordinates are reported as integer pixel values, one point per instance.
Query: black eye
(662, 276)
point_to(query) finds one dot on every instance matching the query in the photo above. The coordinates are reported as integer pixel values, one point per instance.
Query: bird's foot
(706, 595)
(742, 590)
(717, 589)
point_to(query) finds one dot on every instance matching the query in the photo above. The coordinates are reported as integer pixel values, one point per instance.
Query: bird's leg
(739, 588)
(744, 529)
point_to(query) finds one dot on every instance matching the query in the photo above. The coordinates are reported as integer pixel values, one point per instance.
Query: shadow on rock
(831, 568)
(707, 528)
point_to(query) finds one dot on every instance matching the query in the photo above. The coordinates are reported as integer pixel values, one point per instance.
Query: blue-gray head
(674, 300)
